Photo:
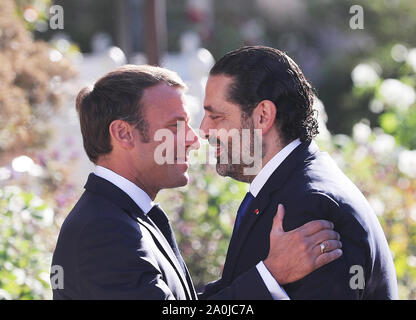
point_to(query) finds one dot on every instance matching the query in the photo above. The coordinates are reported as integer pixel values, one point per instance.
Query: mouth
(218, 151)
(217, 145)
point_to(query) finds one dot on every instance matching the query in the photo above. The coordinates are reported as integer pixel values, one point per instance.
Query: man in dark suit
(116, 243)
(262, 90)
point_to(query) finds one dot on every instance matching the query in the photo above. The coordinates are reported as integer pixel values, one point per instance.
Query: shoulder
(309, 204)
(96, 215)
(312, 204)
(321, 186)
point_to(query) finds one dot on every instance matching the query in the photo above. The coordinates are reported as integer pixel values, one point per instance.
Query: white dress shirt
(140, 197)
(277, 292)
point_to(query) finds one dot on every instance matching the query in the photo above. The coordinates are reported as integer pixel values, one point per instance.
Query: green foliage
(382, 161)
(29, 223)
(29, 93)
(402, 126)
(395, 98)
(24, 257)
(372, 163)
(385, 24)
(33, 13)
(389, 122)
(30, 81)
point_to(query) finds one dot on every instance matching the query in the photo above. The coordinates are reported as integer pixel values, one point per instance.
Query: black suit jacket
(310, 186)
(109, 249)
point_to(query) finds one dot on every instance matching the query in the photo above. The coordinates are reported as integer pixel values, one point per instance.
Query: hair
(117, 96)
(264, 73)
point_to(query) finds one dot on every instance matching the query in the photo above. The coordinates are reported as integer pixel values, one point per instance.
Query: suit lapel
(166, 249)
(190, 284)
(262, 201)
(103, 187)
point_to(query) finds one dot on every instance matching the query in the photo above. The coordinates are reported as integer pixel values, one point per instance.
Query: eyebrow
(212, 110)
(209, 109)
(180, 118)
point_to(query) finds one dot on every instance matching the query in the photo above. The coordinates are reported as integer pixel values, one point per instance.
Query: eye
(214, 117)
(178, 124)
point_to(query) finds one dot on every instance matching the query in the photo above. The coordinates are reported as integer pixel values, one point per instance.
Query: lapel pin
(256, 211)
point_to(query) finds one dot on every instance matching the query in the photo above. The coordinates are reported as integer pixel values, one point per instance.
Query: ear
(264, 116)
(122, 134)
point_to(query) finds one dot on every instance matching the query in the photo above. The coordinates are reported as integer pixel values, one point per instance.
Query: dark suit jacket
(109, 250)
(310, 186)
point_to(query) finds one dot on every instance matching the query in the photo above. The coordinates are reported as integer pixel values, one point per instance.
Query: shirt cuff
(276, 291)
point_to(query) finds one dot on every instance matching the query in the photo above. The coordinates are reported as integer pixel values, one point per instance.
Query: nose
(204, 128)
(191, 140)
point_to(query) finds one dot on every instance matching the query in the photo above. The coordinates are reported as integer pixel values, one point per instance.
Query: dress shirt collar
(140, 197)
(271, 166)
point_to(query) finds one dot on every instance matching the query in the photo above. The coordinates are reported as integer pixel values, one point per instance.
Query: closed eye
(178, 123)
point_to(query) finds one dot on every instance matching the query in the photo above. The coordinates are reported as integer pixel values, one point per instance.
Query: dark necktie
(160, 219)
(242, 210)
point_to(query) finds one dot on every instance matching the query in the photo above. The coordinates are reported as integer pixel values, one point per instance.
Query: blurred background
(362, 66)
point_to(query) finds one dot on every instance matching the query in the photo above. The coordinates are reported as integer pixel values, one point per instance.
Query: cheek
(171, 148)
(172, 176)
(229, 134)
(148, 155)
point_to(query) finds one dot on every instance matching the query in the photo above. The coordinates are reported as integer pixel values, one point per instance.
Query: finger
(278, 219)
(327, 257)
(330, 245)
(323, 235)
(315, 226)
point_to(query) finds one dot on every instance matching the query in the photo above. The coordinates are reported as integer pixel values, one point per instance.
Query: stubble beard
(236, 170)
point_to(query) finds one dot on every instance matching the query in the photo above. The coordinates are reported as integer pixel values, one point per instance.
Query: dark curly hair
(264, 73)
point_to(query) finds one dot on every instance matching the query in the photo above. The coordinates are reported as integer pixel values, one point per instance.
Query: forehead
(163, 102)
(216, 94)
(217, 87)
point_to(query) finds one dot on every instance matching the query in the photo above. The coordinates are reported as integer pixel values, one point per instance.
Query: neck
(271, 146)
(126, 172)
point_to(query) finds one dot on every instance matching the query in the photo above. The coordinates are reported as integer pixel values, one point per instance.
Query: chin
(179, 181)
(222, 169)
(227, 170)
(184, 180)
(233, 171)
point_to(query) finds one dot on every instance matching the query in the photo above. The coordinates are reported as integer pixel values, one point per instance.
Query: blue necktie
(242, 209)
